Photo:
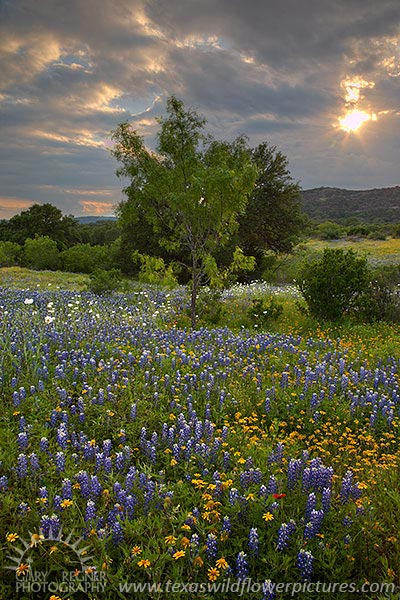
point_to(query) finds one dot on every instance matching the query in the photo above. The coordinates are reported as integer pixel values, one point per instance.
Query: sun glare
(354, 119)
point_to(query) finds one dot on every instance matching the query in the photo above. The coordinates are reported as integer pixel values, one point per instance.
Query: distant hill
(369, 206)
(89, 220)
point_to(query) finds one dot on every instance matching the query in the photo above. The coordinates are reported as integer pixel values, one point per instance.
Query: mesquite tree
(191, 189)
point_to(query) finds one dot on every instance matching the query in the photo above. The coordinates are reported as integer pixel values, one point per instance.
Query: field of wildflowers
(163, 454)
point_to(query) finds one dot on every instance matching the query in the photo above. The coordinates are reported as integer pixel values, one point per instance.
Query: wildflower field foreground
(133, 450)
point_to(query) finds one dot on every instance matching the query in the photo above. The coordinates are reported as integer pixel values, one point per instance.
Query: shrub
(210, 306)
(264, 310)
(102, 282)
(336, 284)
(84, 258)
(42, 253)
(10, 254)
(330, 231)
(153, 270)
(384, 298)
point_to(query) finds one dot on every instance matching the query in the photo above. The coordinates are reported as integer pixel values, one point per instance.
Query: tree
(42, 220)
(191, 190)
(273, 218)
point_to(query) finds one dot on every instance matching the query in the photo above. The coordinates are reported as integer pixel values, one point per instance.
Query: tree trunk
(194, 290)
(193, 303)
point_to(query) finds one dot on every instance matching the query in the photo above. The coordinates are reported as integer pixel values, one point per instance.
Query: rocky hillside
(335, 204)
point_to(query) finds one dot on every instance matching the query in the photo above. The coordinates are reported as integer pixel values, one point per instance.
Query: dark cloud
(71, 71)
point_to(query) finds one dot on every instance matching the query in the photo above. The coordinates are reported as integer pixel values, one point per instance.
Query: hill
(370, 206)
(89, 220)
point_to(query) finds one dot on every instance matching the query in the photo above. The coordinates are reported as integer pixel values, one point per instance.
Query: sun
(354, 119)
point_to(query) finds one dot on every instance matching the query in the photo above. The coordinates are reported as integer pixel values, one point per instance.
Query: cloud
(71, 71)
(10, 205)
(92, 207)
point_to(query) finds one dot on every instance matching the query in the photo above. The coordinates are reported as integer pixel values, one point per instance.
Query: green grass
(21, 278)
(377, 251)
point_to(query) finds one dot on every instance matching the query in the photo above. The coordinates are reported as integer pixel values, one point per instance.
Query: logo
(54, 564)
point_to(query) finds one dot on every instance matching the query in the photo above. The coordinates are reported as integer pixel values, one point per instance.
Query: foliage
(84, 258)
(153, 270)
(273, 219)
(99, 233)
(191, 190)
(384, 297)
(10, 254)
(263, 311)
(334, 285)
(44, 220)
(103, 282)
(368, 206)
(220, 278)
(330, 231)
(42, 253)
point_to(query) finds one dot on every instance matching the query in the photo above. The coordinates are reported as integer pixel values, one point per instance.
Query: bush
(264, 310)
(42, 253)
(103, 282)
(84, 258)
(210, 307)
(10, 254)
(330, 231)
(384, 298)
(153, 270)
(336, 284)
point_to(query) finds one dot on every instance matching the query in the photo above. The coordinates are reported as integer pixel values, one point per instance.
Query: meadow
(137, 451)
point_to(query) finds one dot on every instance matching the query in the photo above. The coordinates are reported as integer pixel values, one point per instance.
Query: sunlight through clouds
(301, 79)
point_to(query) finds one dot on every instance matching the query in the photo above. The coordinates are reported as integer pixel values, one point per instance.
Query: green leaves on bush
(103, 282)
(336, 284)
(84, 258)
(42, 253)
(264, 310)
(10, 254)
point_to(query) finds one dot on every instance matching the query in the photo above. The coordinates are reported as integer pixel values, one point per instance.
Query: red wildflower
(278, 496)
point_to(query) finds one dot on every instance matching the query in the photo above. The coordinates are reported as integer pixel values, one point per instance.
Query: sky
(318, 79)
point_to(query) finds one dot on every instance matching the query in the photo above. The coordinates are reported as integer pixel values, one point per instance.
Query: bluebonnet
(45, 525)
(268, 590)
(284, 533)
(66, 489)
(22, 466)
(59, 460)
(305, 564)
(211, 546)
(326, 499)
(242, 567)
(23, 508)
(310, 506)
(295, 468)
(44, 444)
(23, 440)
(254, 542)
(90, 510)
(34, 461)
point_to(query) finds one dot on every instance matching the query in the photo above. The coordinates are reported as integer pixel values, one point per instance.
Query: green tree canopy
(42, 220)
(192, 189)
(273, 218)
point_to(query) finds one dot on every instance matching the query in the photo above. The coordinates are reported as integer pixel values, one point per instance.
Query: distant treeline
(353, 228)
(43, 238)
